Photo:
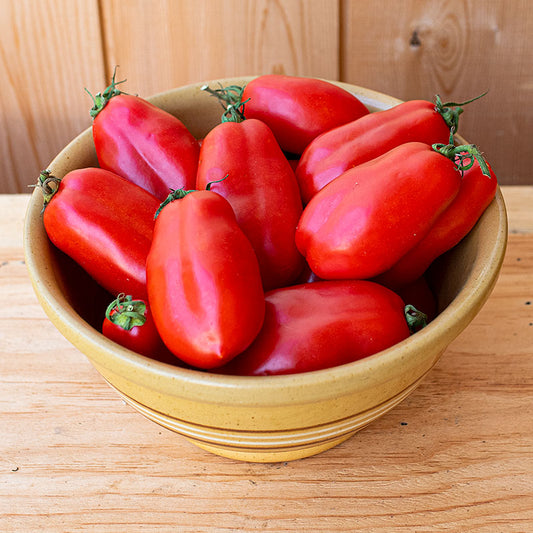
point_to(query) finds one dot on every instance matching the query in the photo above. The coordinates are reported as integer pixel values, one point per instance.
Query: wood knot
(415, 39)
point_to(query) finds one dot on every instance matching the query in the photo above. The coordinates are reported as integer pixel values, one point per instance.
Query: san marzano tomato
(104, 222)
(297, 109)
(478, 188)
(204, 284)
(260, 185)
(365, 220)
(143, 143)
(320, 325)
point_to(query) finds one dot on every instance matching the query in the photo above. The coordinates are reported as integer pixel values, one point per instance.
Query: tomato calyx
(177, 194)
(230, 98)
(416, 320)
(463, 155)
(450, 111)
(49, 185)
(126, 312)
(100, 100)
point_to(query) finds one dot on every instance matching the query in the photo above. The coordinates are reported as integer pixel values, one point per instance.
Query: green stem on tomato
(458, 154)
(208, 186)
(230, 95)
(100, 100)
(416, 320)
(49, 185)
(177, 194)
(126, 312)
(450, 111)
(230, 98)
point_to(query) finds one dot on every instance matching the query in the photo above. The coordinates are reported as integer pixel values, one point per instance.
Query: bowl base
(271, 456)
(268, 446)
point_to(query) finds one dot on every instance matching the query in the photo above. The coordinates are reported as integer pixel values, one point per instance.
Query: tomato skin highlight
(365, 220)
(298, 109)
(145, 145)
(364, 139)
(204, 283)
(105, 224)
(260, 185)
(475, 194)
(321, 325)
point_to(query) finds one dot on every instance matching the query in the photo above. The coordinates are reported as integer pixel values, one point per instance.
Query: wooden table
(457, 455)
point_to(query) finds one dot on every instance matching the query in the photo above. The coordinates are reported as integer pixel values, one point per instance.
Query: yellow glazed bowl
(273, 418)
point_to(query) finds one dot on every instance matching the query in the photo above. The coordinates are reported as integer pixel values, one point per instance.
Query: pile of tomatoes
(289, 239)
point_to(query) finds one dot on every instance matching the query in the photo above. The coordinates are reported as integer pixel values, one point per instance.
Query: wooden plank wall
(52, 49)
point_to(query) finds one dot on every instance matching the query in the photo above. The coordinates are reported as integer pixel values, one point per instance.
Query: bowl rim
(455, 317)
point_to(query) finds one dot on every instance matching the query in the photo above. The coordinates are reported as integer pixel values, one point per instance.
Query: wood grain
(458, 49)
(457, 455)
(50, 50)
(164, 44)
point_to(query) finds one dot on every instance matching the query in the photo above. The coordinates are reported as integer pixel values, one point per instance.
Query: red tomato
(143, 143)
(204, 283)
(299, 109)
(262, 190)
(365, 220)
(359, 141)
(129, 323)
(104, 222)
(321, 325)
(476, 193)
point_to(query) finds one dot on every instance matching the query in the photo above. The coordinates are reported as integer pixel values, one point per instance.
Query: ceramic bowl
(260, 419)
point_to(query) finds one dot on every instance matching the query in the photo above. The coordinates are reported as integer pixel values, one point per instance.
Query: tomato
(262, 190)
(320, 325)
(418, 293)
(368, 137)
(143, 143)
(476, 193)
(364, 221)
(296, 109)
(129, 323)
(204, 283)
(104, 222)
